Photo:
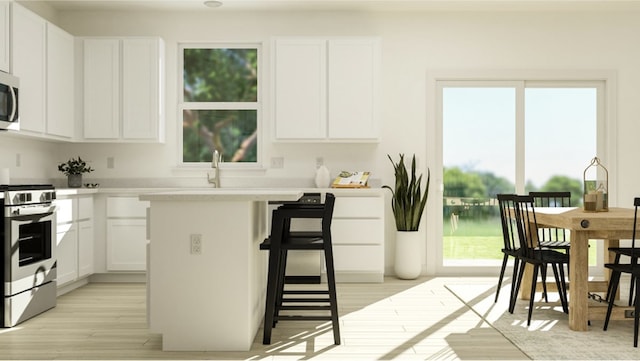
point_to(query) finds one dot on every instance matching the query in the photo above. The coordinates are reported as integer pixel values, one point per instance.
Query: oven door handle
(29, 211)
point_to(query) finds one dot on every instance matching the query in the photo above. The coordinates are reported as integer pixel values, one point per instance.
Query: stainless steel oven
(29, 251)
(9, 100)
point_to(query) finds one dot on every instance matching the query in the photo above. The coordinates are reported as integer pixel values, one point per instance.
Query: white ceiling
(348, 5)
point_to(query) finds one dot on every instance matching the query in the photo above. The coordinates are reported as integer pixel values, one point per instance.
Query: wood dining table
(611, 226)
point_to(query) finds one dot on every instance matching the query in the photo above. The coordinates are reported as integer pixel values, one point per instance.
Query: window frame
(257, 105)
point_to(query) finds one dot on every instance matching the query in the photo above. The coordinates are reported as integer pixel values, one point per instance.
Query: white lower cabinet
(74, 235)
(67, 253)
(126, 234)
(85, 248)
(357, 231)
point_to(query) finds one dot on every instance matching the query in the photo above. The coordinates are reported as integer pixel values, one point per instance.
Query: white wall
(28, 160)
(413, 44)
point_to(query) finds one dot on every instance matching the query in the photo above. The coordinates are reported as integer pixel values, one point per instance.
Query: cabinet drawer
(359, 207)
(358, 258)
(126, 207)
(357, 231)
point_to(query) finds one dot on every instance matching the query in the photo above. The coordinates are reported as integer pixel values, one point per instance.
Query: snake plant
(407, 201)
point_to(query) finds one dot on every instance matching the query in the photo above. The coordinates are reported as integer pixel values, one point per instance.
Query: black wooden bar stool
(282, 240)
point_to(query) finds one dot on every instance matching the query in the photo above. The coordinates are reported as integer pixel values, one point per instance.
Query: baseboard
(71, 286)
(134, 277)
(357, 277)
(120, 277)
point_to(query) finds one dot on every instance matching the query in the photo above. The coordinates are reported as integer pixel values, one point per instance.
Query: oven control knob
(23, 197)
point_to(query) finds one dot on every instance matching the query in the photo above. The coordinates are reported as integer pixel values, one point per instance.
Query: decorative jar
(596, 186)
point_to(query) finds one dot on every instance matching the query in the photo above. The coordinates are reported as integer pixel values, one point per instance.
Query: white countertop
(64, 192)
(225, 194)
(70, 192)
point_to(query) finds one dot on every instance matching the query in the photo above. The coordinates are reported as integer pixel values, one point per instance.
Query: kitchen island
(206, 274)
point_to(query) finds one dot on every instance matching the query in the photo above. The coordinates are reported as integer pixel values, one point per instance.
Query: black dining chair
(549, 236)
(632, 268)
(279, 243)
(536, 255)
(633, 254)
(511, 244)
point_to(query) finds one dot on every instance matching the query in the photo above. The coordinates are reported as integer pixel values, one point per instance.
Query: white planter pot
(408, 263)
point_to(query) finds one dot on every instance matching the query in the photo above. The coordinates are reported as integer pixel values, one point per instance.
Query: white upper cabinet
(300, 89)
(353, 76)
(60, 84)
(29, 64)
(141, 90)
(101, 88)
(123, 91)
(43, 60)
(5, 36)
(326, 90)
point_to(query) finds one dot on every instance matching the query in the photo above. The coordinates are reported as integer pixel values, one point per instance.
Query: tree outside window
(220, 103)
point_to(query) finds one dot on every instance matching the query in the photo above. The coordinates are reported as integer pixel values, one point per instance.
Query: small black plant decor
(73, 169)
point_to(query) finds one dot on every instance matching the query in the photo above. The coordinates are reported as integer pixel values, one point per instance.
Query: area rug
(548, 337)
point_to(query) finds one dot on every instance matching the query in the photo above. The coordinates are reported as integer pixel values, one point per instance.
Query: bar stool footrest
(305, 292)
(305, 308)
(302, 280)
(303, 318)
(306, 300)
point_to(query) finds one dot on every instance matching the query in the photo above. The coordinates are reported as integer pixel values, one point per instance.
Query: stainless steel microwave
(9, 116)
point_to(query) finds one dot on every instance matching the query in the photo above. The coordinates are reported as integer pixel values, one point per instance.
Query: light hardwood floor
(396, 319)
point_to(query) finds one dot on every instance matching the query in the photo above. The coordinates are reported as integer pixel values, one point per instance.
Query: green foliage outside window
(221, 89)
(475, 192)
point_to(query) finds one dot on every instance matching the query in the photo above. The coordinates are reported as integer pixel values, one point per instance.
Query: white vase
(408, 261)
(322, 177)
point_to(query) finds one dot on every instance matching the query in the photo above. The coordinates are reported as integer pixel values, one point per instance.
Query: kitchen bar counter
(207, 276)
(172, 192)
(224, 194)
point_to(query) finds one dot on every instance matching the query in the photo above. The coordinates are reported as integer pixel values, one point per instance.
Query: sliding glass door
(479, 128)
(505, 137)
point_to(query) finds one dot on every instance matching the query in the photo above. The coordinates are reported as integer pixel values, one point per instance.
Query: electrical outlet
(196, 243)
(110, 162)
(629, 314)
(319, 162)
(18, 160)
(277, 162)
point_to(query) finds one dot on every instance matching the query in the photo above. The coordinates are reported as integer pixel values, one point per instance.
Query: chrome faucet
(214, 175)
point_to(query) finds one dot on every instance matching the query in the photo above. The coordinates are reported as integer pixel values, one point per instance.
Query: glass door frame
(604, 81)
